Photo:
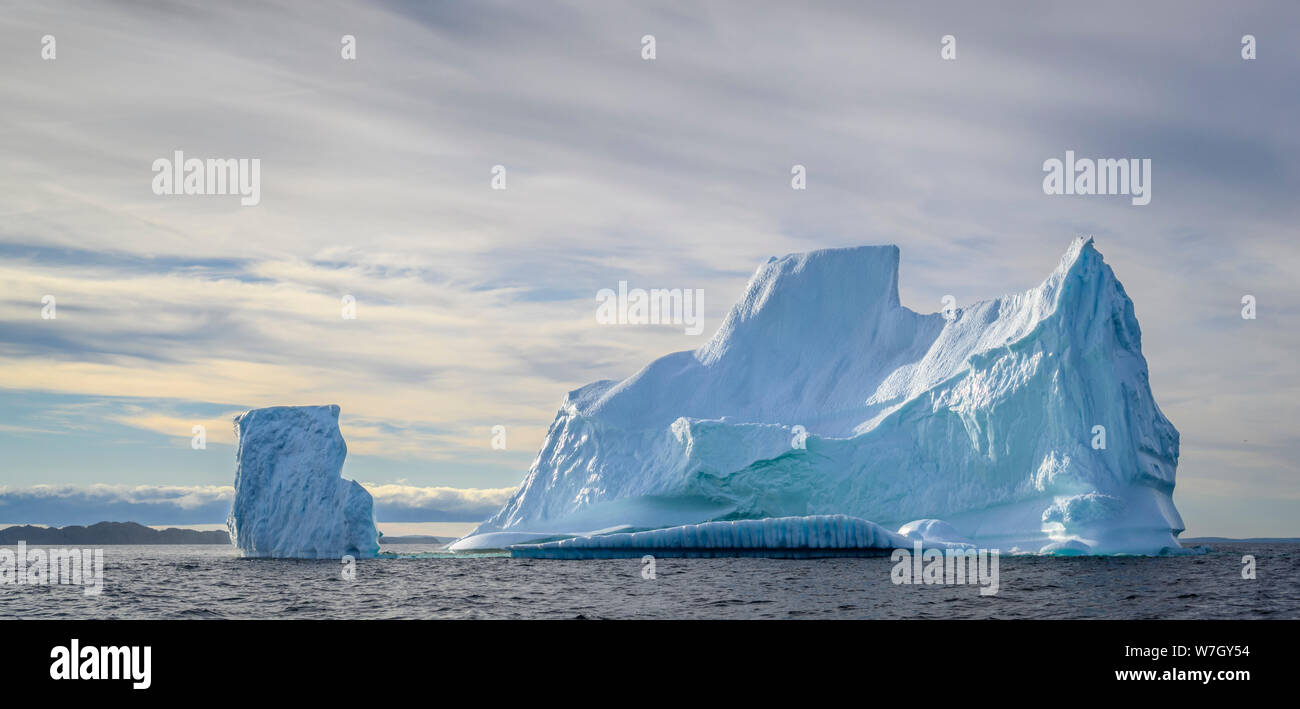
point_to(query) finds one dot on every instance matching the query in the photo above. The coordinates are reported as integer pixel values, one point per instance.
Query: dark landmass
(1255, 540)
(416, 539)
(109, 533)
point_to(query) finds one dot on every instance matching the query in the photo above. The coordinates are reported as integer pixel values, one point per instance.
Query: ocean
(196, 582)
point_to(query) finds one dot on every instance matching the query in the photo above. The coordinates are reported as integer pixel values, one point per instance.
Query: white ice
(290, 497)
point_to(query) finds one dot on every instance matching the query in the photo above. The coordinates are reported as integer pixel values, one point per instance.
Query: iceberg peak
(804, 295)
(1079, 248)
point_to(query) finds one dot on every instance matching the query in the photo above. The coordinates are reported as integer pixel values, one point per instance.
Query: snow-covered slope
(290, 498)
(985, 421)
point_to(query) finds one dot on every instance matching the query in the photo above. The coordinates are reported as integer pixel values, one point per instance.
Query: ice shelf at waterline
(798, 537)
(821, 394)
(290, 497)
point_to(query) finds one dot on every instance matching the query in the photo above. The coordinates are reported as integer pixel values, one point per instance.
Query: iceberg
(290, 497)
(1025, 422)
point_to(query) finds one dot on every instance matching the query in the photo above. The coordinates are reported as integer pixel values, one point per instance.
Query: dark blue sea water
(212, 582)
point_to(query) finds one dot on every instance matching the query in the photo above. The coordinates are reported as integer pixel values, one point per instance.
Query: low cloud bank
(60, 505)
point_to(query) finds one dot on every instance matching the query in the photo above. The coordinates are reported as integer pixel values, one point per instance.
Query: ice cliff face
(986, 421)
(290, 498)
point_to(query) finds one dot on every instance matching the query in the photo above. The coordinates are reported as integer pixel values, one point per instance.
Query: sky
(475, 306)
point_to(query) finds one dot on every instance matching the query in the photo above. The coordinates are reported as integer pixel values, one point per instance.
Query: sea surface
(213, 582)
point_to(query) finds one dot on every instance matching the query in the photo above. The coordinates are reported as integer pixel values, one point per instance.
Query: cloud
(218, 430)
(59, 505)
(406, 503)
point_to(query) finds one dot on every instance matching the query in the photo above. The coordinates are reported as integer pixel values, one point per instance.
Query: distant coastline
(104, 533)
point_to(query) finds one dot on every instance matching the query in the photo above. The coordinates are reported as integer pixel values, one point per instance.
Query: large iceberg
(1026, 422)
(290, 497)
